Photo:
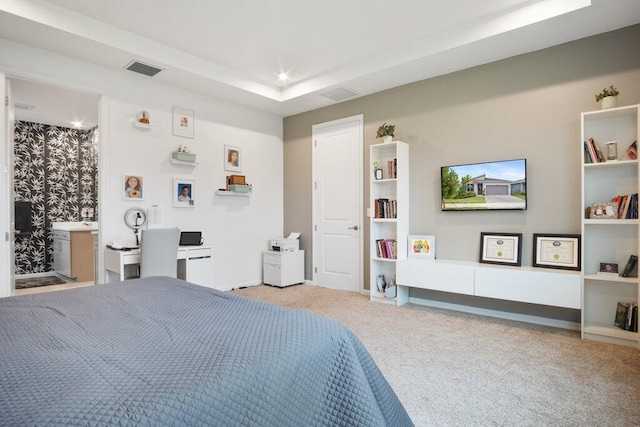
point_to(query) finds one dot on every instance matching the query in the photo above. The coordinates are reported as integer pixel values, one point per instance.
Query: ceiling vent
(140, 68)
(339, 94)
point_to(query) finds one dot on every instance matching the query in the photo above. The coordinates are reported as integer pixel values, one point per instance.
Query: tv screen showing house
(499, 185)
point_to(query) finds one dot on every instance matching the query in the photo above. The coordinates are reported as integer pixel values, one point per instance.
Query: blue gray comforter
(161, 351)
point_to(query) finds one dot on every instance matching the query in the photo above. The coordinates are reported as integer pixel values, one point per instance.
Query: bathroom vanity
(73, 250)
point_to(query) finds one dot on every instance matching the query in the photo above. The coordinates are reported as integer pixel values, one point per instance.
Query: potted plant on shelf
(609, 97)
(386, 132)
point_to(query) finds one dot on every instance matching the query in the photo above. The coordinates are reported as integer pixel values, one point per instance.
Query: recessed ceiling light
(282, 76)
(76, 124)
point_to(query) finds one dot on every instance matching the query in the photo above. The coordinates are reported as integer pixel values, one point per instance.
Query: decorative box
(237, 179)
(185, 157)
(240, 188)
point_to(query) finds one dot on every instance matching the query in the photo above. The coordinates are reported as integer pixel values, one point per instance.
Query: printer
(290, 243)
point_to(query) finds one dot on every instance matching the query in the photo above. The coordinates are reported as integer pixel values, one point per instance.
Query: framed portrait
(557, 251)
(232, 158)
(132, 187)
(609, 269)
(501, 248)
(183, 122)
(182, 193)
(422, 247)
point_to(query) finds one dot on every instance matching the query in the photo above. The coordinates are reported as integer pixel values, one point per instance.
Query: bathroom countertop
(75, 226)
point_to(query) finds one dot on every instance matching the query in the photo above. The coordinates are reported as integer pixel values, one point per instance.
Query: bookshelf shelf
(611, 278)
(389, 216)
(608, 240)
(383, 259)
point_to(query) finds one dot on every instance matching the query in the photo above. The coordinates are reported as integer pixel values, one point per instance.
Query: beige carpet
(450, 368)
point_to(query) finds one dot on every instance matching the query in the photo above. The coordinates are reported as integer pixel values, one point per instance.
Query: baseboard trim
(545, 321)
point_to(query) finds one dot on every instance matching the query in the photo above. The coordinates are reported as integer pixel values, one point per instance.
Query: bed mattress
(161, 351)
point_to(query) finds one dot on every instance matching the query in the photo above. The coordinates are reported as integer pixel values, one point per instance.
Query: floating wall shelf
(232, 193)
(182, 163)
(143, 126)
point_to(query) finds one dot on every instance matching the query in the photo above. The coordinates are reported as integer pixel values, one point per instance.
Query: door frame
(6, 283)
(315, 129)
(7, 248)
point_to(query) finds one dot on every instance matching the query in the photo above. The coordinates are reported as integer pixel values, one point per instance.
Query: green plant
(607, 91)
(385, 130)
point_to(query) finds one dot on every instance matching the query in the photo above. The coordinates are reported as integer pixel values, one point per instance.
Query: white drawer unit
(283, 268)
(62, 252)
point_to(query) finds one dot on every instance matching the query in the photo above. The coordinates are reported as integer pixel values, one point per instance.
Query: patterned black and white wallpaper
(56, 170)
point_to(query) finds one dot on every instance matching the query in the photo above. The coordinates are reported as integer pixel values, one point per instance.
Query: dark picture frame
(559, 251)
(501, 248)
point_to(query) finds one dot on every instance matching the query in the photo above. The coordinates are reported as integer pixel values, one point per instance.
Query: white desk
(194, 264)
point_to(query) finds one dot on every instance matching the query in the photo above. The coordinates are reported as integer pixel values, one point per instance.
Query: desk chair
(159, 252)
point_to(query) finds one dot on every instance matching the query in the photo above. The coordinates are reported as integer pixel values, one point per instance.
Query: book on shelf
(630, 267)
(587, 154)
(391, 168)
(591, 150)
(385, 208)
(386, 248)
(627, 316)
(598, 149)
(594, 151)
(627, 206)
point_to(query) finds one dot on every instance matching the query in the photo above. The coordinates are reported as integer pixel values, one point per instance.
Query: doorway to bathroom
(55, 178)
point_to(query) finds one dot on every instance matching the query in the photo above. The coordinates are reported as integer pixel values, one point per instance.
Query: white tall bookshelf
(608, 240)
(392, 188)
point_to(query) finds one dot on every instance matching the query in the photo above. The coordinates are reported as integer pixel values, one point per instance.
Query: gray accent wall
(523, 107)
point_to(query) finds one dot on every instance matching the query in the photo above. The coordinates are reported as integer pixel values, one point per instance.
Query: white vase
(387, 139)
(609, 102)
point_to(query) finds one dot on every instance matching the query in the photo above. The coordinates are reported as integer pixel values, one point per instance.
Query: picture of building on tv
(500, 185)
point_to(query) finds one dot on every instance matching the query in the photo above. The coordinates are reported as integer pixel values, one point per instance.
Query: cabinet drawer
(272, 258)
(61, 234)
(272, 274)
(199, 253)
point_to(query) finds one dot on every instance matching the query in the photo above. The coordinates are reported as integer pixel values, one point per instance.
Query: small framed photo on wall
(132, 187)
(183, 193)
(232, 158)
(183, 122)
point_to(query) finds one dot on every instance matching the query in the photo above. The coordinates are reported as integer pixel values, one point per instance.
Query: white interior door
(6, 191)
(337, 204)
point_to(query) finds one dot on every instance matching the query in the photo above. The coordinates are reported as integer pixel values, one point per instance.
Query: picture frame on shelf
(608, 269)
(132, 187)
(232, 158)
(421, 246)
(183, 122)
(501, 248)
(561, 251)
(604, 210)
(183, 193)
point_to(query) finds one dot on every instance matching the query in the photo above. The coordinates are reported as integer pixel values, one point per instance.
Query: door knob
(355, 227)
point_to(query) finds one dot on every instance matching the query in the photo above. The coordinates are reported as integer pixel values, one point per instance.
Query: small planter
(387, 139)
(609, 102)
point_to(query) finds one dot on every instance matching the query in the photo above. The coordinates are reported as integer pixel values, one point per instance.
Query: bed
(161, 351)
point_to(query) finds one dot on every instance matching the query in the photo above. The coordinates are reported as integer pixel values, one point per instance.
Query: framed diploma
(556, 251)
(501, 248)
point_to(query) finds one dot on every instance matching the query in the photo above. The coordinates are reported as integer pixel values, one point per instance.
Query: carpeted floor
(35, 282)
(451, 368)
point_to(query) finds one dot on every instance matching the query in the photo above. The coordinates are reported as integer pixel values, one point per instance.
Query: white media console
(557, 288)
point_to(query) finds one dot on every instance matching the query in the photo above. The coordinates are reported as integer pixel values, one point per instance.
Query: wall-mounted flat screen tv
(499, 185)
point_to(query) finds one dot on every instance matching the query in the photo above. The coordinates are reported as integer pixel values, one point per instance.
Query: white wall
(238, 228)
